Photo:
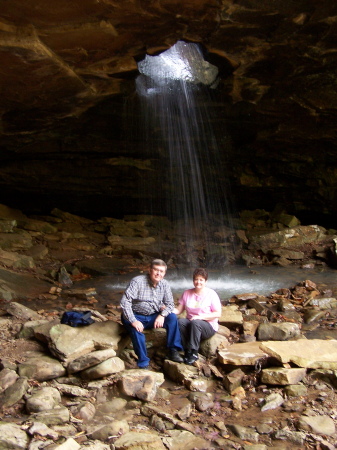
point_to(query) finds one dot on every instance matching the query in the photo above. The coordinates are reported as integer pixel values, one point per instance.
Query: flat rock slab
(309, 353)
(245, 354)
(20, 285)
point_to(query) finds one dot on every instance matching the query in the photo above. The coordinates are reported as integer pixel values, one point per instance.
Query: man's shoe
(191, 358)
(175, 356)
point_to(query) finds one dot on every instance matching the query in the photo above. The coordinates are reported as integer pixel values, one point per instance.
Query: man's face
(157, 273)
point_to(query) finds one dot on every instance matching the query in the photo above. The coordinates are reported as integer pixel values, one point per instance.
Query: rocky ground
(262, 382)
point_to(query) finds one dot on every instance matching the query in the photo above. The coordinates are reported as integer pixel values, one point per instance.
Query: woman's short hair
(200, 273)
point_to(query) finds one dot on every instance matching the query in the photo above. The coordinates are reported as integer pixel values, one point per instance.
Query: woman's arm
(179, 309)
(208, 317)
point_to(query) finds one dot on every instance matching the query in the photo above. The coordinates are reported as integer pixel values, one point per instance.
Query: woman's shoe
(191, 357)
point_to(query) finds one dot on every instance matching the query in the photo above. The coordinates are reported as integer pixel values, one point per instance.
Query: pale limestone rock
(56, 416)
(245, 433)
(183, 440)
(272, 401)
(43, 399)
(41, 368)
(313, 353)
(85, 411)
(231, 316)
(209, 347)
(244, 354)
(139, 440)
(199, 384)
(105, 368)
(250, 327)
(71, 390)
(278, 331)
(296, 390)
(27, 330)
(282, 376)
(179, 372)
(69, 444)
(112, 429)
(7, 378)
(16, 260)
(42, 429)
(12, 437)
(140, 383)
(14, 393)
(69, 343)
(317, 424)
(89, 360)
(22, 312)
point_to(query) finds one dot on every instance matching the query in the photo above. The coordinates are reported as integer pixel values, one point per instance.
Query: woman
(203, 309)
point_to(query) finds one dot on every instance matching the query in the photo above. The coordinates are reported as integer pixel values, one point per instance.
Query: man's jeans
(138, 339)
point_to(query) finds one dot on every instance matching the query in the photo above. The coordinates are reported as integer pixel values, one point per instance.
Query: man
(148, 303)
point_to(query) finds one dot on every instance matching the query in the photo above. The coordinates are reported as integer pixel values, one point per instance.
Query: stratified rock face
(68, 69)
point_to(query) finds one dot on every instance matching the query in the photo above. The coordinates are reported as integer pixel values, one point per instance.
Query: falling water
(175, 89)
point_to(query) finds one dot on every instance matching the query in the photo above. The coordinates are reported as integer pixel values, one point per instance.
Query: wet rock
(324, 303)
(282, 376)
(278, 331)
(313, 315)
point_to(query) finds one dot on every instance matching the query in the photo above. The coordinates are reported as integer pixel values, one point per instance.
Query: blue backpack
(77, 318)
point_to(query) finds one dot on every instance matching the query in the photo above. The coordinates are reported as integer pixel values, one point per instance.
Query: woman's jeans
(173, 338)
(193, 331)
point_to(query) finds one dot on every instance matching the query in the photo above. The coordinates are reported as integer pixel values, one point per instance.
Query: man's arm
(126, 302)
(167, 300)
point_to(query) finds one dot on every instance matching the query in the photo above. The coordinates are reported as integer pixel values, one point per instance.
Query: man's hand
(138, 325)
(159, 322)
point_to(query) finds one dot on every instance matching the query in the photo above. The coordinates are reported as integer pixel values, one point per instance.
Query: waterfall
(175, 90)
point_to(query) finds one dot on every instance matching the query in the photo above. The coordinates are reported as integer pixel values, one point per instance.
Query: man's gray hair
(158, 262)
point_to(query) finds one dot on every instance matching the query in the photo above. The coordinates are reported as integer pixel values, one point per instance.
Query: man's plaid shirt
(141, 297)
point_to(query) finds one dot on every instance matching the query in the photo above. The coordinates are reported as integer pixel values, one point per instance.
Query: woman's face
(199, 282)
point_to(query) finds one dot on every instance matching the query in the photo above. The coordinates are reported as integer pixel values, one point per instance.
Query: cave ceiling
(63, 63)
